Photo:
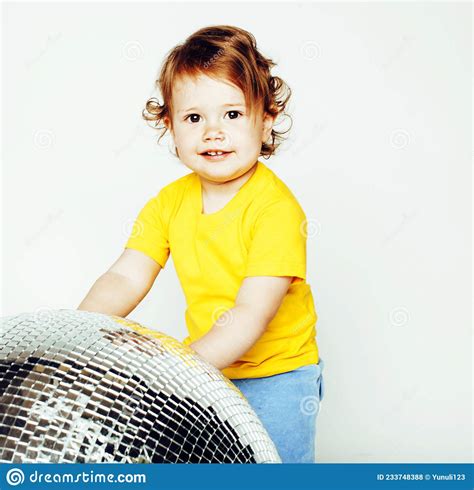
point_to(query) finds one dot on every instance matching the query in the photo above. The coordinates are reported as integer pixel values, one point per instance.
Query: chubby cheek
(186, 141)
(249, 138)
(257, 140)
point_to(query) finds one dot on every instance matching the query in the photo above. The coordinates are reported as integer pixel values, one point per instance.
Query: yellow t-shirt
(259, 232)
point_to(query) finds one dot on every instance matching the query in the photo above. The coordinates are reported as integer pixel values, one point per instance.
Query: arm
(235, 332)
(119, 290)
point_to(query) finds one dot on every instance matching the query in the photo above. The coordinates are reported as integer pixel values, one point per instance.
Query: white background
(379, 158)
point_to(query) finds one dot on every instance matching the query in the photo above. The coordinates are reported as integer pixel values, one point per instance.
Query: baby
(236, 233)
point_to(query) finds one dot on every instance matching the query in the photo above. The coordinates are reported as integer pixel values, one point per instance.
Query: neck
(230, 187)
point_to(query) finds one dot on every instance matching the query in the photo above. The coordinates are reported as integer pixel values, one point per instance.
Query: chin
(218, 176)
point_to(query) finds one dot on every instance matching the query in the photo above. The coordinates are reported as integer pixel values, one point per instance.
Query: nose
(213, 132)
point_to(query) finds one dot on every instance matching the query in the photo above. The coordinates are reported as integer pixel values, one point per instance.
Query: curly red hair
(229, 53)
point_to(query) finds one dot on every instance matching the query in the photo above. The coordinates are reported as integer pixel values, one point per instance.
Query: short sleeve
(150, 231)
(278, 245)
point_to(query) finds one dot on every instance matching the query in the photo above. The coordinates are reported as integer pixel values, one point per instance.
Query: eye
(234, 112)
(190, 116)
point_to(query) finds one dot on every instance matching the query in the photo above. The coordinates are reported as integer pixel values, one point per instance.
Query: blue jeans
(287, 404)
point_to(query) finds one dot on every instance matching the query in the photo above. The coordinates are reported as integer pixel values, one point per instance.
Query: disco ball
(82, 387)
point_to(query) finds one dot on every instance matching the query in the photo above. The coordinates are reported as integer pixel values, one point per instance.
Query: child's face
(202, 121)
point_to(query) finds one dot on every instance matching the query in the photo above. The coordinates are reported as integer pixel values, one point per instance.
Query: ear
(268, 121)
(169, 126)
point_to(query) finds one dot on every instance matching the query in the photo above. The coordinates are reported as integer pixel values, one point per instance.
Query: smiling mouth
(216, 157)
(214, 153)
